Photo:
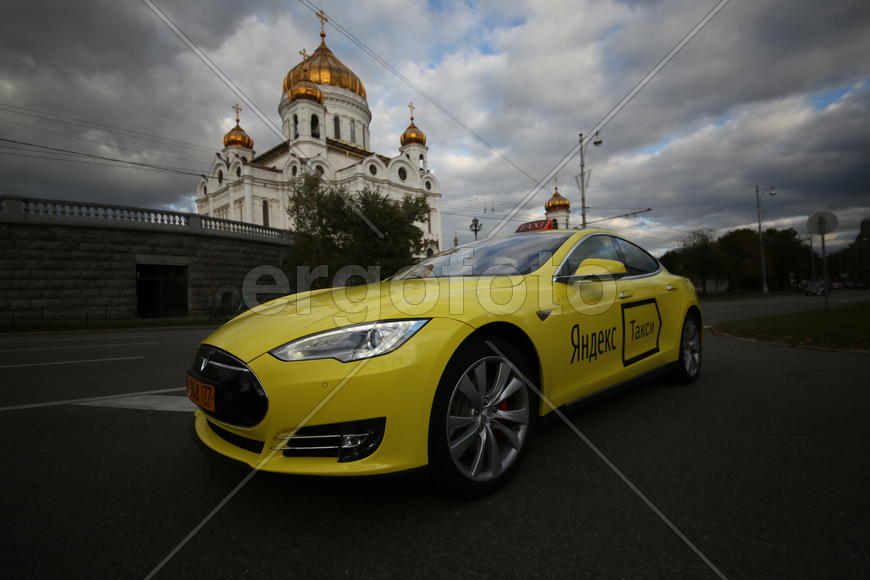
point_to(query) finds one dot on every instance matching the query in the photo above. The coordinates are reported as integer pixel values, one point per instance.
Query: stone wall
(52, 266)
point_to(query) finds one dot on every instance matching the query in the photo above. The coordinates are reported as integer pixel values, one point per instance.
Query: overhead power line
(615, 110)
(23, 145)
(102, 143)
(82, 161)
(99, 126)
(250, 103)
(383, 62)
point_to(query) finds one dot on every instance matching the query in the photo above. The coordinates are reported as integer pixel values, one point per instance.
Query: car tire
(482, 418)
(688, 365)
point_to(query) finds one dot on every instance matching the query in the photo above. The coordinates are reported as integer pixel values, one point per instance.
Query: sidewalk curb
(717, 332)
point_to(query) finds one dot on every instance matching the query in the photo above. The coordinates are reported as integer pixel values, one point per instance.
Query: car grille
(239, 398)
(349, 441)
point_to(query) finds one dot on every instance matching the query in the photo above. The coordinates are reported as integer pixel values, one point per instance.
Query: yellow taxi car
(449, 364)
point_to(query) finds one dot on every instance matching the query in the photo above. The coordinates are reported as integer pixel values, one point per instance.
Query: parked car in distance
(815, 288)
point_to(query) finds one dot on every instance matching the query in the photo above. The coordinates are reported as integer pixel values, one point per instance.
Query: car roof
(571, 230)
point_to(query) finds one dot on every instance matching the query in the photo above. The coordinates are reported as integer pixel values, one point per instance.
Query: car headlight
(351, 342)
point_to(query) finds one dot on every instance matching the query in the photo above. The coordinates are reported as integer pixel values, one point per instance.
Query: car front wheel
(482, 417)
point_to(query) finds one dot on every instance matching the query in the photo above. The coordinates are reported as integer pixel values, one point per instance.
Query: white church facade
(325, 123)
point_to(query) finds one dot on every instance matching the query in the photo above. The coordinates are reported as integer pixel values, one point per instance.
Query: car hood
(274, 323)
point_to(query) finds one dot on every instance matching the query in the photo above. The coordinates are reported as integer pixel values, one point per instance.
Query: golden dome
(413, 134)
(557, 203)
(305, 90)
(237, 136)
(324, 68)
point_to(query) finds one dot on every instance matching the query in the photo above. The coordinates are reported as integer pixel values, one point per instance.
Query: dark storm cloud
(95, 35)
(816, 159)
(751, 52)
(728, 112)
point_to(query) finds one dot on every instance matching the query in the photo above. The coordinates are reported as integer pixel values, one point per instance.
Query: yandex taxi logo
(590, 345)
(641, 327)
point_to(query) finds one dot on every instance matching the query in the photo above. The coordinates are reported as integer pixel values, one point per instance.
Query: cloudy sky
(770, 92)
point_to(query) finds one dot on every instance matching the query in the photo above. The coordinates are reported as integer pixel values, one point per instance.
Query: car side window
(636, 260)
(600, 247)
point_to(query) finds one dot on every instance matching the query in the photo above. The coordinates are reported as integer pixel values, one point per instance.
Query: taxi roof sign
(538, 225)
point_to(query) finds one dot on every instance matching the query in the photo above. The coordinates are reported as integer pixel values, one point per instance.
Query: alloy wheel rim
(487, 419)
(691, 348)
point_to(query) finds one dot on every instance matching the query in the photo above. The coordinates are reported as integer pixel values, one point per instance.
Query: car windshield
(509, 256)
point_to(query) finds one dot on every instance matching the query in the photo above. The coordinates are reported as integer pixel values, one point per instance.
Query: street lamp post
(582, 178)
(772, 192)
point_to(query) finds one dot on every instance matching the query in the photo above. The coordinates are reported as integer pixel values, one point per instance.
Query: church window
(373, 169)
(220, 177)
(315, 126)
(421, 162)
(403, 175)
(295, 127)
(204, 190)
(353, 132)
(293, 171)
(428, 185)
(319, 170)
(429, 252)
(238, 171)
(336, 123)
(266, 212)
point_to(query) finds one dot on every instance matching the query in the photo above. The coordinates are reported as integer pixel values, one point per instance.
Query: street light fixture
(772, 192)
(583, 178)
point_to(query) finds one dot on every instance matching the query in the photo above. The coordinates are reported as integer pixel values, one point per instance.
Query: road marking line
(610, 464)
(146, 403)
(85, 399)
(117, 344)
(328, 397)
(71, 362)
(73, 336)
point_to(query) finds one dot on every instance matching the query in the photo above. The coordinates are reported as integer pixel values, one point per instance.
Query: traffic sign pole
(822, 223)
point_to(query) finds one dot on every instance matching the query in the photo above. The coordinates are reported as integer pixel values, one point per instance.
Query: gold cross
(238, 110)
(323, 21)
(556, 183)
(411, 109)
(304, 54)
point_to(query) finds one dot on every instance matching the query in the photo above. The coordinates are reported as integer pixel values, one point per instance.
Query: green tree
(329, 229)
(700, 258)
(787, 258)
(672, 261)
(741, 259)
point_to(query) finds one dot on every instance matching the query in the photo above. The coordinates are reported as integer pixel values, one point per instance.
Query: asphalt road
(764, 464)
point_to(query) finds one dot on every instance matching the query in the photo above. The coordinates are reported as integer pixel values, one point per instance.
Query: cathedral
(325, 122)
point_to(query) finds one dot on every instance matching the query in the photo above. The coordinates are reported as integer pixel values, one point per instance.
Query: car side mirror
(595, 269)
(600, 268)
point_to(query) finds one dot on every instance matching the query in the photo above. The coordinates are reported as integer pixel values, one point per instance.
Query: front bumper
(398, 387)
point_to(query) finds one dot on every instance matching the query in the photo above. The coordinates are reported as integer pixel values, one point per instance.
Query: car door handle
(670, 287)
(626, 294)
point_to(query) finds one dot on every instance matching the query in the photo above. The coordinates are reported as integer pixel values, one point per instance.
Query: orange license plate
(202, 394)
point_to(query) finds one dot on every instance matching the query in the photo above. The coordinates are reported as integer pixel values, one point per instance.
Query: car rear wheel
(481, 420)
(688, 366)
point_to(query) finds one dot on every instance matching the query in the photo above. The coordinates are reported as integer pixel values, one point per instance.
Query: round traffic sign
(822, 222)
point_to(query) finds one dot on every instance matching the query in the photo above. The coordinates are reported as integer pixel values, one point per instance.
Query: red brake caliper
(503, 406)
